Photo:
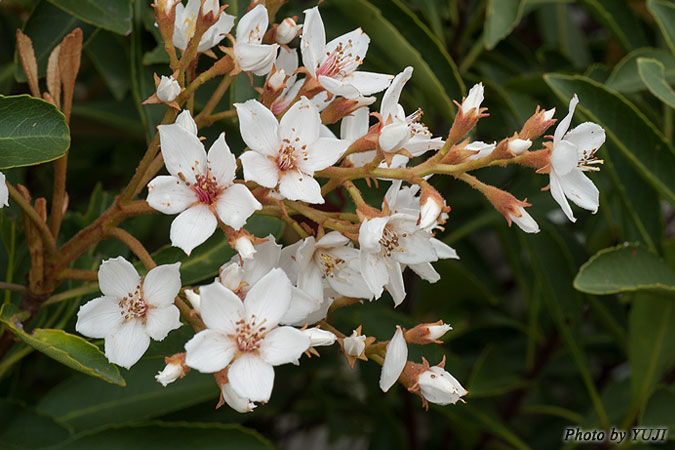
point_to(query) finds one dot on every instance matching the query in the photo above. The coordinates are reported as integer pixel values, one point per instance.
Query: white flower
(168, 89)
(131, 311)
(200, 188)
(430, 211)
(394, 360)
(438, 386)
(481, 148)
(319, 337)
(573, 154)
(354, 344)
(474, 99)
(186, 22)
(286, 154)
(287, 31)
(186, 121)
(245, 336)
(518, 146)
(169, 374)
(244, 247)
(335, 64)
(234, 401)
(287, 61)
(332, 261)
(437, 331)
(4, 191)
(525, 221)
(249, 51)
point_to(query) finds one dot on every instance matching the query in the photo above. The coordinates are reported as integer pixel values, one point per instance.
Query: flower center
(206, 188)
(588, 160)
(289, 154)
(249, 335)
(133, 306)
(189, 27)
(389, 241)
(330, 266)
(340, 62)
(416, 126)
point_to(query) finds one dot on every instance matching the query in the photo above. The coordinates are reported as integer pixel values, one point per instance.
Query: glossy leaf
(638, 139)
(111, 15)
(652, 74)
(70, 350)
(110, 59)
(501, 18)
(625, 76)
(659, 411)
(22, 428)
(624, 268)
(664, 14)
(620, 20)
(32, 131)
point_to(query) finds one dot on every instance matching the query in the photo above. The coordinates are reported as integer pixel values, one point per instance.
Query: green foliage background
(573, 326)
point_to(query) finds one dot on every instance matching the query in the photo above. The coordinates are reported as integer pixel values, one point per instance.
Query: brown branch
(134, 245)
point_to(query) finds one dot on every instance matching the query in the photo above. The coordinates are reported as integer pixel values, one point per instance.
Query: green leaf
(501, 17)
(624, 268)
(23, 428)
(72, 351)
(32, 131)
(111, 15)
(653, 75)
(625, 76)
(664, 14)
(164, 435)
(637, 138)
(404, 40)
(156, 56)
(85, 403)
(659, 411)
(620, 20)
(110, 59)
(650, 346)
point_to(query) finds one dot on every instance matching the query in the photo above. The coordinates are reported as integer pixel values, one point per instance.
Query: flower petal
(253, 25)
(559, 196)
(443, 250)
(355, 125)
(4, 191)
(394, 360)
(295, 185)
(162, 284)
(300, 125)
(260, 168)
(258, 127)
(117, 277)
(370, 233)
(127, 344)
(283, 345)
(588, 137)
(269, 298)
(220, 308)
(368, 83)
(374, 270)
(160, 321)
(342, 88)
(235, 205)
(416, 248)
(221, 162)
(323, 153)
(353, 47)
(183, 153)
(256, 58)
(266, 258)
(313, 41)
(302, 306)
(581, 190)
(333, 239)
(425, 271)
(389, 105)
(209, 351)
(169, 195)
(192, 227)
(99, 317)
(395, 286)
(216, 32)
(564, 124)
(251, 377)
(564, 157)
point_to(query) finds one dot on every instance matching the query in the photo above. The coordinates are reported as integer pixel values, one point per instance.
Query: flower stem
(31, 213)
(134, 245)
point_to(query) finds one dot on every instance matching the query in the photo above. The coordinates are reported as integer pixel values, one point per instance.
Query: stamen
(132, 305)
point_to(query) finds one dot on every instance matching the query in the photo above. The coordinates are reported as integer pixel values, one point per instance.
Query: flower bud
(438, 386)
(437, 331)
(239, 404)
(538, 123)
(511, 208)
(474, 99)
(524, 220)
(277, 80)
(231, 275)
(394, 136)
(175, 368)
(468, 114)
(185, 120)
(287, 31)
(319, 337)
(518, 146)
(168, 89)
(354, 345)
(432, 206)
(427, 333)
(244, 247)
(343, 107)
(194, 298)
(394, 360)
(480, 149)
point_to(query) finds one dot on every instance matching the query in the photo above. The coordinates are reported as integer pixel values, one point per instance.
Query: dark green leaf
(652, 74)
(620, 20)
(659, 411)
(23, 428)
(639, 140)
(111, 61)
(501, 18)
(32, 131)
(624, 269)
(664, 14)
(72, 351)
(156, 56)
(625, 76)
(111, 15)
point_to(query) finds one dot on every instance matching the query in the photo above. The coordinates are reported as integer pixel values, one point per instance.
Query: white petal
(389, 105)
(288, 62)
(355, 125)
(416, 247)
(4, 191)
(169, 195)
(235, 205)
(220, 308)
(294, 185)
(162, 284)
(310, 280)
(269, 298)
(333, 239)
(581, 190)
(564, 157)
(258, 127)
(221, 161)
(183, 153)
(338, 87)
(239, 404)
(323, 153)
(209, 351)
(300, 124)
(354, 46)
(117, 277)
(394, 136)
(192, 227)
(127, 344)
(319, 337)
(374, 270)
(313, 41)
(185, 120)
(160, 321)
(443, 250)
(260, 168)
(473, 99)
(302, 307)
(525, 221)
(370, 233)
(99, 317)
(394, 360)
(368, 83)
(559, 196)
(216, 32)
(395, 286)
(256, 58)
(283, 345)
(251, 377)
(266, 258)
(426, 271)
(253, 25)
(588, 137)
(564, 124)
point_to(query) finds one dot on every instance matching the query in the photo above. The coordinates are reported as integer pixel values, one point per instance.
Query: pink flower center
(340, 62)
(133, 306)
(206, 188)
(249, 335)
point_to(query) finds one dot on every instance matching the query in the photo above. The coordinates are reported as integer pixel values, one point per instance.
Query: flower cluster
(257, 313)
